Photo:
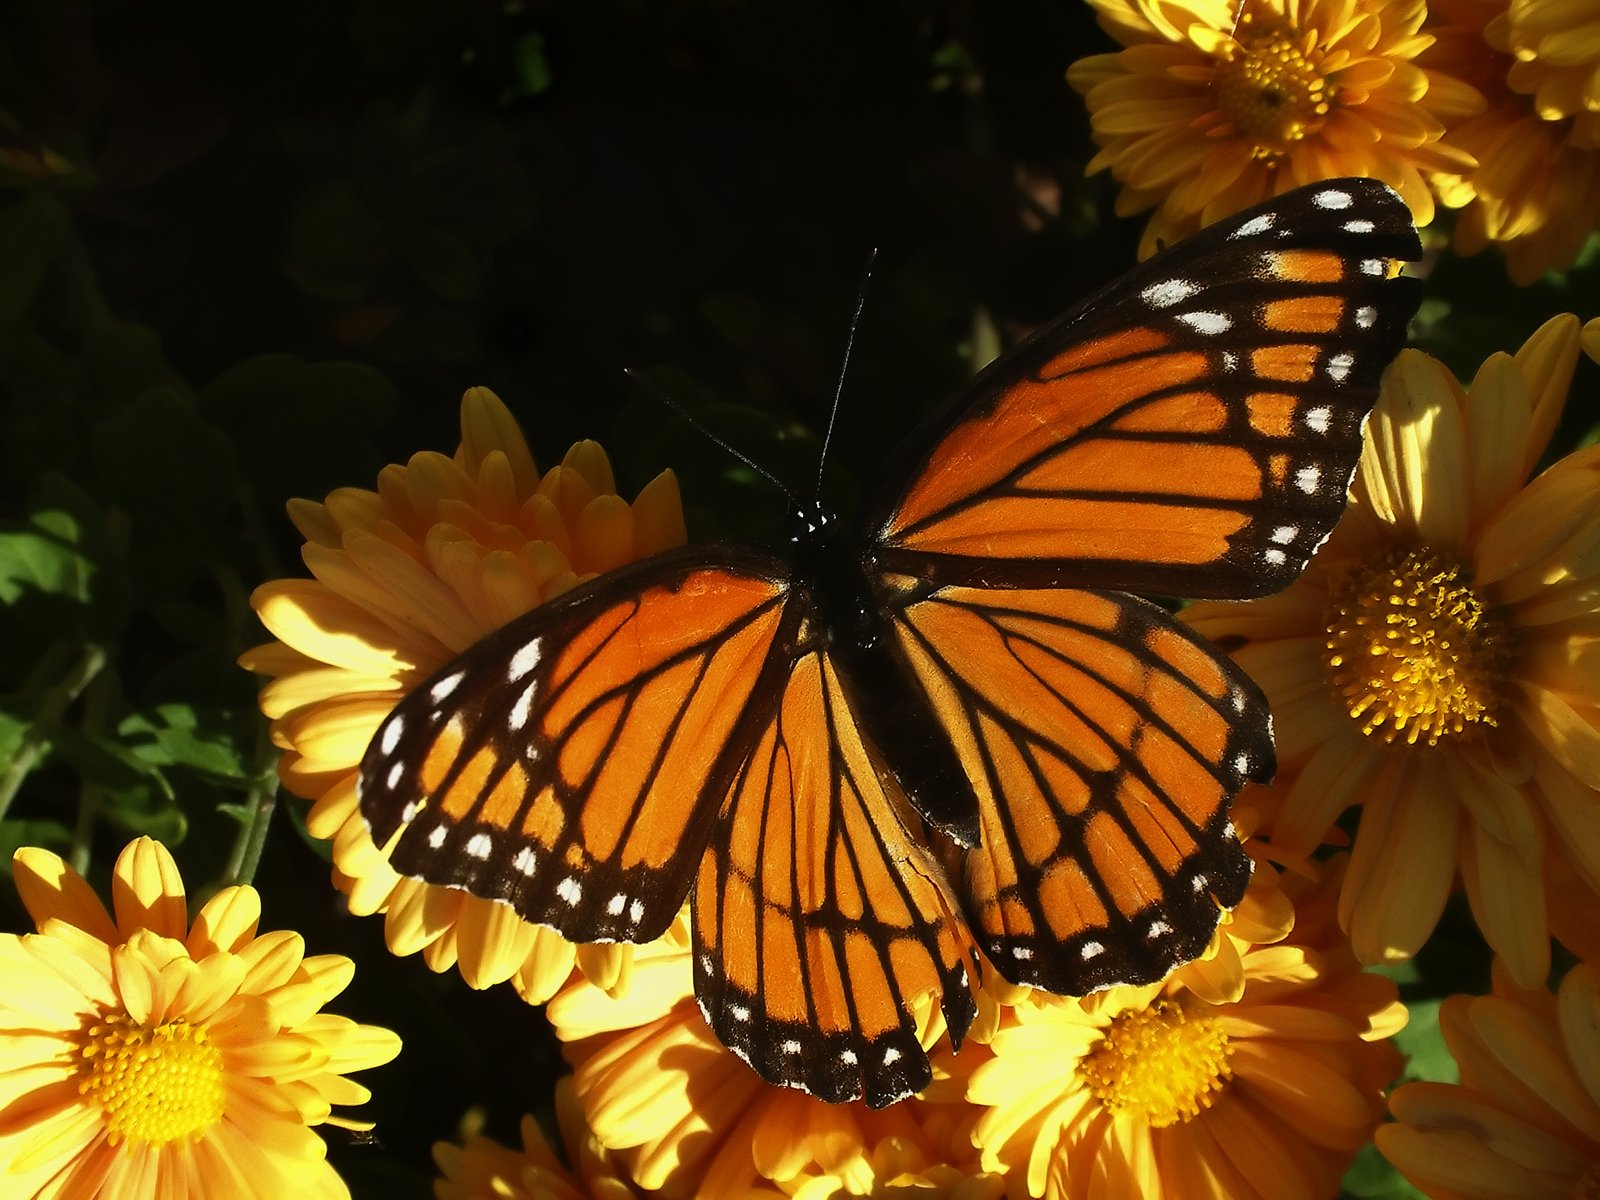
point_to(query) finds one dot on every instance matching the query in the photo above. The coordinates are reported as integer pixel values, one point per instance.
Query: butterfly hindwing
(817, 918)
(1191, 431)
(1104, 742)
(571, 763)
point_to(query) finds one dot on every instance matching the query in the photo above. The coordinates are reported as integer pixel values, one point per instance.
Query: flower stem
(35, 740)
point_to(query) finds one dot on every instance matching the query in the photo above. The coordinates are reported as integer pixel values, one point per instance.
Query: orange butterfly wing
(571, 763)
(1190, 432)
(818, 920)
(1103, 741)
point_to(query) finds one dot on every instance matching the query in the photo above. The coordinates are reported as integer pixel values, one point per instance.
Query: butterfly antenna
(844, 366)
(649, 386)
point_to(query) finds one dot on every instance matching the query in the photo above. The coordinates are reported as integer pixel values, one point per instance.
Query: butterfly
(950, 721)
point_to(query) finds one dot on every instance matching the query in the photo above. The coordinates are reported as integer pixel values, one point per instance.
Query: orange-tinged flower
(1433, 664)
(1154, 1091)
(687, 1117)
(142, 1058)
(1212, 107)
(1535, 191)
(1525, 1119)
(483, 1169)
(446, 550)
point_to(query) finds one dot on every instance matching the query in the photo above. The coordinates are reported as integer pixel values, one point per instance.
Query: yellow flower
(1212, 108)
(687, 1117)
(1535, 192)
(445, 551)
(144, 1058)
(483, 1169)
(1435, 664)
(1525, 1119)
(1152, 1091)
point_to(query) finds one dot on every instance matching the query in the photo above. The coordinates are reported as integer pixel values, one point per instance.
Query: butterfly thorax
(853, 627)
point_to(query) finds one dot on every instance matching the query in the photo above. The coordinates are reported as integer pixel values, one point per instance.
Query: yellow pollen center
(1159, 1063)
(1412, 652)
(156, 1084)
(1271, 87)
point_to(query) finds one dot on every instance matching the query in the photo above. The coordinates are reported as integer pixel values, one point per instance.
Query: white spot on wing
(1230, 361)
(390, 737)
(396, 773)
(409, 812)
(1318, 419)
(1332, 198)
(1307, 479)
(636, 911)
(1339, 367)
(1157, 929)
(1359, 225)
(738, 1012)
(1209, 323)
(848, 1058)
(1021, 952)
(1199, 883)
(1168, 292)
(790, 1047)
(1091, 950)
(1284, 534)
(1373, 266)
(525, 861)
(436, 838)
(523, 706)
(616, 904)
(524, 660)
(1253, 227)
(479, 845)
(1366, 316)
(891, 1056)
(440, 692)
(1275, 556)
(570, 890)
(1241, 763)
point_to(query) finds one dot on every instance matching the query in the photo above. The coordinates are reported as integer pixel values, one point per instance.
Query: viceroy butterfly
(786, 744)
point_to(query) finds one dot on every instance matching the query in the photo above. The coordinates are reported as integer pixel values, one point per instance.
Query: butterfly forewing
(571, 764)
(817, 919)
(1104, 742)
(1190, 432)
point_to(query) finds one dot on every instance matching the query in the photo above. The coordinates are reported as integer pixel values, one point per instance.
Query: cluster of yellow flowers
(1491, 107)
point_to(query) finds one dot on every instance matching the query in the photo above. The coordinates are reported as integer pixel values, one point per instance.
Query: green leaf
(299, 428)
(530, 66)
(1373, 1177)
(172, 470)
(443, 264)
(54, 574)
(1427, 1056)
(30, 239)
(173, 735)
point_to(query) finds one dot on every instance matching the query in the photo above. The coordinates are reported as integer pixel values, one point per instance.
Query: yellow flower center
(1271, 86)
(1413, 652)
(156, 1084)
(1159, 1063)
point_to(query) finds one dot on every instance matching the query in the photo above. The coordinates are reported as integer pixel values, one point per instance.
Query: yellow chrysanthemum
(1213, 107)
(1435, 664)
(445, 551)
(1153, 1091)
(1535, 191)
(482, 1169)
(142, 1059)
(687, 1117)
(1525, 1119)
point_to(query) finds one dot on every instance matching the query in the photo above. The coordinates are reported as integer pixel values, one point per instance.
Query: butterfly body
(784, 743)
